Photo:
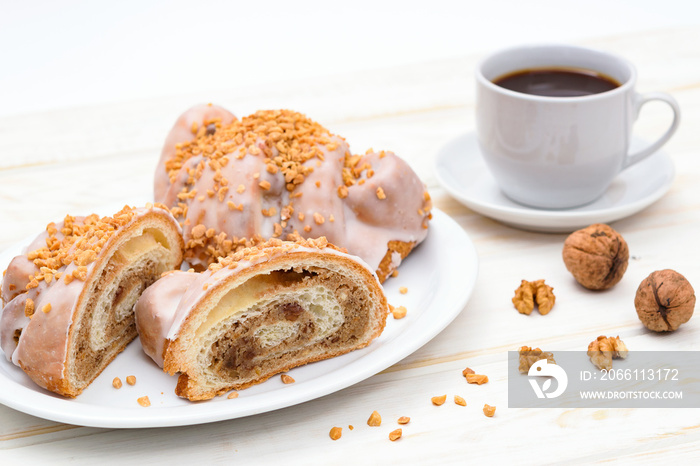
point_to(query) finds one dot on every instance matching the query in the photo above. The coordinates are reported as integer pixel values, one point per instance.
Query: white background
(78, 53)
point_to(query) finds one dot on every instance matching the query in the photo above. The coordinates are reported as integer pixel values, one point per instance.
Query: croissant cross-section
(260, 312)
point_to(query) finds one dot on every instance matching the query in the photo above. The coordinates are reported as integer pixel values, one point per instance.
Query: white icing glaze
(362, 223)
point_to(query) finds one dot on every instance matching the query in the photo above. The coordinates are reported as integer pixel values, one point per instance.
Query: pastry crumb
(232, 395)
(287, 379)
(403, 290)
(144, 401)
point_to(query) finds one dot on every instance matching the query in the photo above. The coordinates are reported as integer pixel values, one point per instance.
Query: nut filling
(289, 326)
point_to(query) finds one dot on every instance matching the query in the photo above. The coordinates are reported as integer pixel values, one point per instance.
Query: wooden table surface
(75, 160)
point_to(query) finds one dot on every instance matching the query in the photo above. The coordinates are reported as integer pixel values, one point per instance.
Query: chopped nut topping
(439, 400)
(232, 395)
(404, 420)
(342, 191)
(318, 218)
(131, 380)
(467, 371)
(478, 379)
(144, 401)
(240, 189)
(335, 433)
(380, 193)
(489, 410)
(46, 309)
(529, 356)
(403, 290)
(460, 401)
(264, 184)
(394, 435)
(117, 383)
(28, 307)
(375, 420)
(395, 273)
(604, 349)
(199, 231)
(351, 427)
(287, 379)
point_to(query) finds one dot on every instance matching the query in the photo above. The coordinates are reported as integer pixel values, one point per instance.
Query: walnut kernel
(529, 356)
(664, 301)
(603, 349)
(596, 256)
(530, 293)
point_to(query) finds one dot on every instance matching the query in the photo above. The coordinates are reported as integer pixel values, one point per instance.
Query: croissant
(277, 174)
(259, 312)
(68, 300)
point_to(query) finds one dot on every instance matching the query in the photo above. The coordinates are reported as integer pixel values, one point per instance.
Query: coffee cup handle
(641, 99)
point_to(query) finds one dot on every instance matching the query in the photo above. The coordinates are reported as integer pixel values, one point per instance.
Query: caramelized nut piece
(287, 379)
(403, 290)
(335, 433)
(404, 420)
(131, 380)
(351, 427)
(467, 371)
(117, 383)
(399, 312)
(438, 400)
(460, 401)
(394, 435)
(375, 420)
(144, 401)
(478, 379)
(232, 395)
(489, 410)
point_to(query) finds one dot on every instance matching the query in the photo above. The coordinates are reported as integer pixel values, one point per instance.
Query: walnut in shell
(596, 256)
(664, 301)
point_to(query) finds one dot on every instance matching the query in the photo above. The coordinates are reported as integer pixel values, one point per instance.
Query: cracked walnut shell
(530, 293)
(596, 256)
(604, 349)
(664, 301)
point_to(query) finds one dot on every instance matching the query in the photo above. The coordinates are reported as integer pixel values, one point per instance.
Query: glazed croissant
(259, 312)
(275, 174)
(68, 301)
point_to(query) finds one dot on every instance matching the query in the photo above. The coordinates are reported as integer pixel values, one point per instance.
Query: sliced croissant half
(257, 313)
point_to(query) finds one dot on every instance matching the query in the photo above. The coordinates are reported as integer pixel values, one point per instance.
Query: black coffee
(557, 82)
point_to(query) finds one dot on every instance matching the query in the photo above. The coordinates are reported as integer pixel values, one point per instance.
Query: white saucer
(461, 170)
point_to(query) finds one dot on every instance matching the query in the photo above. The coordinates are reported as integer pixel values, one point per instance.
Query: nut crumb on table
(404, 420)
(117, 383)
(336, 433)
(375, 420)
(131, 380)
(478, 379)
(287, 379)
(144, 401)
(398, 312)
(489, 410)
(232, 395)
(460, 401)
(438, 400)
(394, 435)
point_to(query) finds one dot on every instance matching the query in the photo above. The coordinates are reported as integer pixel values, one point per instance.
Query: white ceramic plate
(461, 170)
(440, 276)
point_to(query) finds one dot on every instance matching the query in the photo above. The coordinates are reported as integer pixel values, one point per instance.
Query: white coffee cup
(560, 152)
